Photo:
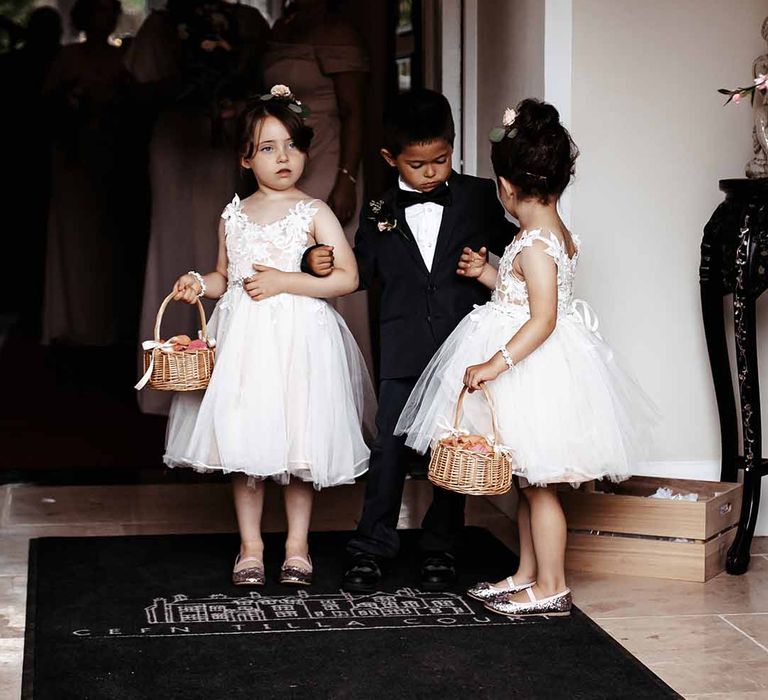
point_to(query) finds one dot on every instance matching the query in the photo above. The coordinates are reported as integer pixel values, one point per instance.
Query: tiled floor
(705, 640)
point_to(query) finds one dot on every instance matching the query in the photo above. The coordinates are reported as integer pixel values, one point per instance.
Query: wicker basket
(465, 471)
(189, 370)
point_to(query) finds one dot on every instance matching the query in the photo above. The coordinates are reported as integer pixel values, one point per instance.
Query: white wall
(510, 60)
(655, 139)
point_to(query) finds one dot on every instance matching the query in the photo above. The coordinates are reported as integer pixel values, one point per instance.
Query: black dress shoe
(363, 575)
(438, 572)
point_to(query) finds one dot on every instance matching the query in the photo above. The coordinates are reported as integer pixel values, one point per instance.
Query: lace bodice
(511, 290)
(279, 244)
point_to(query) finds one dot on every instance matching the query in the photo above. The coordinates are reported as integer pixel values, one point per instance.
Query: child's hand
(475, 375)
(472, 264)
(320, 260)
(267, 282)
(186, 288)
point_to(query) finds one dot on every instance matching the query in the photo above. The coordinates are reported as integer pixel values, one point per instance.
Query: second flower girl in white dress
(566, 411)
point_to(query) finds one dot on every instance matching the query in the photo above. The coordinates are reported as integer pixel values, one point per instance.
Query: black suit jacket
(419, 307)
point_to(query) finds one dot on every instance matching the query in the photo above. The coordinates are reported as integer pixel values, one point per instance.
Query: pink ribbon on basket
(167, 346)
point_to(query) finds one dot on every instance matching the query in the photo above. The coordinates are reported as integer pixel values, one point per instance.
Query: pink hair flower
(281, 91)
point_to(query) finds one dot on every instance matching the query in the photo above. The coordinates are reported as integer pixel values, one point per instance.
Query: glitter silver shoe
(555, 605)
(296, 575)
(485, 591)
(249, 575)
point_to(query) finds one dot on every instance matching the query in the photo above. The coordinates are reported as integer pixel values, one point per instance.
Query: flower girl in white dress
(289, 391)
(566, 410)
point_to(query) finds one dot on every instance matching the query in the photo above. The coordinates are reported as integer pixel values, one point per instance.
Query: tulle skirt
(290, 395)
(566, 413)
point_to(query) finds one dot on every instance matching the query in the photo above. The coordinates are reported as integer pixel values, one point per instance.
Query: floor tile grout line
(658, 617)
(748, 636)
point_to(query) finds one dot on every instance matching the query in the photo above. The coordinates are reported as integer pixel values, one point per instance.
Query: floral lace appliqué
(279, 244)
(512, 292)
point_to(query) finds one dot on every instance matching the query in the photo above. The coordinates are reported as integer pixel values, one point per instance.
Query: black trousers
(377, 530)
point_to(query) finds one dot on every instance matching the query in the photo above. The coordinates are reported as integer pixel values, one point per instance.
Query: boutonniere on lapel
(384, 217)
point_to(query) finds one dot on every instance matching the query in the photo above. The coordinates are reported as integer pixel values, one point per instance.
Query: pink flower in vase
(736, 97)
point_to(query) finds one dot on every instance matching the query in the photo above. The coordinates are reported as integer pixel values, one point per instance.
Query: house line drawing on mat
(256, 607)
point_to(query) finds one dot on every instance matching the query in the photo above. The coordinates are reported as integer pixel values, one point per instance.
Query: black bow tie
(439, 195)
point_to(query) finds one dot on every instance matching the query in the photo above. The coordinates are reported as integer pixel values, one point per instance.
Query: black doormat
(156, 617)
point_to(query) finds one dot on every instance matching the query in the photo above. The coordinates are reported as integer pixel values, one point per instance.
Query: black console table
(734, 260)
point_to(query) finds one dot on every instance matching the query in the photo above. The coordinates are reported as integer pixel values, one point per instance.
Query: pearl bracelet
(507, 357)
(351, 177)
(200, 281)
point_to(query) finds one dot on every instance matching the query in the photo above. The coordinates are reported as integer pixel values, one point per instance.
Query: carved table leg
(714, 331)
(749, 391)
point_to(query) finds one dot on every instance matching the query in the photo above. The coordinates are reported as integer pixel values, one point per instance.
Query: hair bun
(534, 152)
(535, 116)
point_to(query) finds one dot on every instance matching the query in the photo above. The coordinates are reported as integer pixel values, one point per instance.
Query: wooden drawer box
(618, 529)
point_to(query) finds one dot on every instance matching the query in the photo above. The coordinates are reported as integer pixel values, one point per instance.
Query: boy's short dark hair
(418, 116)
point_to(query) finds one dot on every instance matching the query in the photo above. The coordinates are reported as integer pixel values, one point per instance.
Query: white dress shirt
(424, 221)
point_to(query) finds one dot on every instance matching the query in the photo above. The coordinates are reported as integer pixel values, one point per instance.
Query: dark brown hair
(258, 109)
(537, 154)
(418, 116)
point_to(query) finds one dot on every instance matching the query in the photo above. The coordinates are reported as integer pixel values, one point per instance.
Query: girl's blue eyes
(267, 149)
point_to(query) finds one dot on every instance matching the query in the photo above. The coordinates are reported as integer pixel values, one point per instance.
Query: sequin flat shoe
(485, 591)
(296, 571)
(249, 575)
(556, 605)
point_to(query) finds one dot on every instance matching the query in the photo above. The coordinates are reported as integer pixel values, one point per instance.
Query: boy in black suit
(412, 240)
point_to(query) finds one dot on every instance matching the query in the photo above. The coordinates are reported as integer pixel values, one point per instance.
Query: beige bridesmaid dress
(308, 70)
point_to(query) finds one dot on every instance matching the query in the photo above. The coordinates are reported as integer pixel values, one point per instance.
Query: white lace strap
(304, 211)
(231, 209)
(554, 248)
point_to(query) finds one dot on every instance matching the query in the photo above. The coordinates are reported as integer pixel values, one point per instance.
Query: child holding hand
(567, 413)
(289, 390)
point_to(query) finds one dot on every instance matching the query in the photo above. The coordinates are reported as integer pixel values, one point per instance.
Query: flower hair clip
(284, 94)
(507, 127)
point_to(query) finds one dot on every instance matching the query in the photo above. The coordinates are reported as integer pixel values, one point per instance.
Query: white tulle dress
(566, 413)
(290, 391)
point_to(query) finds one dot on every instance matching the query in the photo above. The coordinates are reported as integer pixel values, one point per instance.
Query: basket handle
(460, 403)
(161, 311)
